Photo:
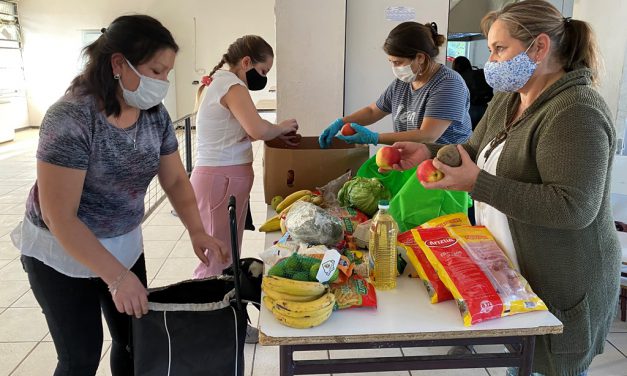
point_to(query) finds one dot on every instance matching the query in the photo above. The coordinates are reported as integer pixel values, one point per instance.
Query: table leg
(526, 357)
(286, 360)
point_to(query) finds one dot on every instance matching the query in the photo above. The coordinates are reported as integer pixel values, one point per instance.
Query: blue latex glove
(363, 136)
(326, 137)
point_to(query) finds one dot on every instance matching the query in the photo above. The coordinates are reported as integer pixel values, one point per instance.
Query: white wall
(606, 16)
(310, 63)
(52, 39)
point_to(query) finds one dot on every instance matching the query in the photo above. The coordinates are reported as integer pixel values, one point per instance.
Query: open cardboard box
(289, 169)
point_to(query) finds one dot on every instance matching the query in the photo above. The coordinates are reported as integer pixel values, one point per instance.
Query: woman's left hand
(202, 242)
(362, 136)
(460, 178)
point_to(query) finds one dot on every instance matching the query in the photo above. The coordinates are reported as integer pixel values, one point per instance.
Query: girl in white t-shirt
(226, 123)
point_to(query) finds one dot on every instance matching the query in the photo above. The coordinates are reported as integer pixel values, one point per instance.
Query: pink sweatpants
(213, 186)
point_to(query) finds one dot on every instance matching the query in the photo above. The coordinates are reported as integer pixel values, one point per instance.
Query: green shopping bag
(411, 204)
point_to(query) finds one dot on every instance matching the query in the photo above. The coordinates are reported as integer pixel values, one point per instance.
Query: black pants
(72, 308)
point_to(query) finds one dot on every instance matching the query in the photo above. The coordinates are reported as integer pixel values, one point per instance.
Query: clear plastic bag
(330, 190)
(311, 224)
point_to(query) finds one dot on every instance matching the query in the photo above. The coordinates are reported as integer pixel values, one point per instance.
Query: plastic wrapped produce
(311, 224)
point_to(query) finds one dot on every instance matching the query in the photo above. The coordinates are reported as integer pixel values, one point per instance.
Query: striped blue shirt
(444, 97)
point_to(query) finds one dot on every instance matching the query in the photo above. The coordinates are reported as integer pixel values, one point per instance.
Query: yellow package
(481, 278)
(455, 219)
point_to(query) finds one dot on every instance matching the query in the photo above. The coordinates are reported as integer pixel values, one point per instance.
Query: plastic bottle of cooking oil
(382, 247)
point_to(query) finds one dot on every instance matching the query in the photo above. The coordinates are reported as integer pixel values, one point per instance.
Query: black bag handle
(234, 248)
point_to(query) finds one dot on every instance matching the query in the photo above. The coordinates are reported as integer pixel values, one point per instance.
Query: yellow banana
(290, 286)
(268, 302)
(304, 309)
(291, 199)
(272, 224)
(306, 198)
(275, 295)
(302, 322)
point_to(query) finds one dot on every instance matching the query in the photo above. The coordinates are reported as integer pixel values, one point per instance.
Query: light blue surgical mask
(148, 94)
(510, 75)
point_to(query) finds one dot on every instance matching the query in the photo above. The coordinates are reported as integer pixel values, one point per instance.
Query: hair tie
(103, 30)
(434, 29)
(206, 80)
(567, 20)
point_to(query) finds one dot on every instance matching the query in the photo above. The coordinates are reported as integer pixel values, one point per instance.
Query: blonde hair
(253, 46)
(573, 41)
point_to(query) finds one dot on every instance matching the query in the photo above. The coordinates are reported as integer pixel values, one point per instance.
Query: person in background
(226, 123)
(480, 92)
(538, 165)
(100, 146)
(428, 101)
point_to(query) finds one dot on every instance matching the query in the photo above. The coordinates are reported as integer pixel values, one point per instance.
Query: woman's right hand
(130, 296)
(412, 154)
(288, 126)
(326, 138)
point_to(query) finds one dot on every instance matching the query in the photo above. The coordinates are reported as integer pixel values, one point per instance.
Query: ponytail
(578, 47)
(206, 80)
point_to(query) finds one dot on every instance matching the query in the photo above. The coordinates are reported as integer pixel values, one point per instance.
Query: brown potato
(449, 155)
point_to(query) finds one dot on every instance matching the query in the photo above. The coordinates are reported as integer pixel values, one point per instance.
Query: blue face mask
(510, 75)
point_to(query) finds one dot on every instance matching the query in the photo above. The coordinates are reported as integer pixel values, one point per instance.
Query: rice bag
(355, 292)
(435, 287)
(478, 274)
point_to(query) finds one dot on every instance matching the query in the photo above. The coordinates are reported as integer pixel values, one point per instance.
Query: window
(9, 25)
(455, 49)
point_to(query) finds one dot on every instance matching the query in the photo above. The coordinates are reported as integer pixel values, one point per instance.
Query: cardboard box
(289, 169)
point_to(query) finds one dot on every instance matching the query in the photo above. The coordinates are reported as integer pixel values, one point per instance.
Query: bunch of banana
(292, 198)
(297, 304)
(283, 207)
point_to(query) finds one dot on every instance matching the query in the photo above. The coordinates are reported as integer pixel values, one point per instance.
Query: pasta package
(354, 293)
(435, 288)
(477, 273)
(455, 219)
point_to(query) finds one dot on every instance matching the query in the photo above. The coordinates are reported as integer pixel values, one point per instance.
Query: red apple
(387, 157)
(347, 130)
(427, 172)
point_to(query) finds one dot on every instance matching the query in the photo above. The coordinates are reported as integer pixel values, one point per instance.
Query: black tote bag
(194, 327)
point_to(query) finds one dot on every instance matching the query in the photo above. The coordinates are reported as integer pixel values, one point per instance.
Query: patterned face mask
(510, 75)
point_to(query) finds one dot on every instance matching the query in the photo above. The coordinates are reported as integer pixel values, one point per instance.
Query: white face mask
(404, 73)
(149, 93)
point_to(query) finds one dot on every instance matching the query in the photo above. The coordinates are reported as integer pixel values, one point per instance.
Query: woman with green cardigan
(538, 164)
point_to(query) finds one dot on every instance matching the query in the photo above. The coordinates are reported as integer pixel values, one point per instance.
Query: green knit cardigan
(553, 183)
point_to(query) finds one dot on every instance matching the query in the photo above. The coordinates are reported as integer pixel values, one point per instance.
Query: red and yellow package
(429, 277)
(478, 274)
(354, 293)
(455, 219)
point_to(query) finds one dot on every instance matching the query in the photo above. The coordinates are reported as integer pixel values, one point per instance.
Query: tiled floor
(26, 347)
